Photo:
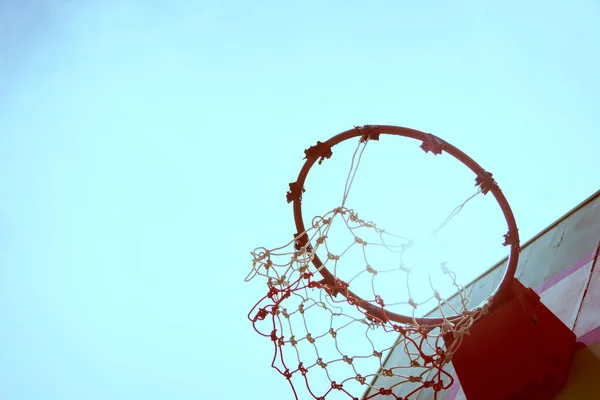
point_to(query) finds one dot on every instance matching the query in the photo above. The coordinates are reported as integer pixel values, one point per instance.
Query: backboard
(560, 263)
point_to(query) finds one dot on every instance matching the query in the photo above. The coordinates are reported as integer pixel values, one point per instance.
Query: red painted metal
(520, 351)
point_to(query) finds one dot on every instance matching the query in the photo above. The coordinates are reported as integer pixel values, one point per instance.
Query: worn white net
(331, 336)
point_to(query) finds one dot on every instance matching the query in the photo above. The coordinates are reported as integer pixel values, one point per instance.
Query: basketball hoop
(303, 279)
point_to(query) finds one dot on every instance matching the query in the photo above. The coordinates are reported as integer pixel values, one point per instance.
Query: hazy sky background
(146, 148)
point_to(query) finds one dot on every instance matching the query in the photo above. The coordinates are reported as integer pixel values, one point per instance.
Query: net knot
(320, 363)
(416, 379)
(348, 359)
(302, 369)
(273, 291)
(302, 268)
(399, 329)
(274, 335)
(360, 241)
(281, 282)
(335, 385)
(339, 210)
(436, 386)
(268, 264)
(314, 284)
(440, 352)
(379, 301)
(447, 326)
(459, 334)
(261, 314)
(260, 254)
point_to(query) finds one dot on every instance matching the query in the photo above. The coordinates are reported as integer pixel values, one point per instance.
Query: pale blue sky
(146, 148)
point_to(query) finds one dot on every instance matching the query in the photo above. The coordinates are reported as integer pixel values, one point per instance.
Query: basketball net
(329, 342)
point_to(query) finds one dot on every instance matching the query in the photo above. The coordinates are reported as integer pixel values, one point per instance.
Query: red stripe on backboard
(453, 391)
(566, 272)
